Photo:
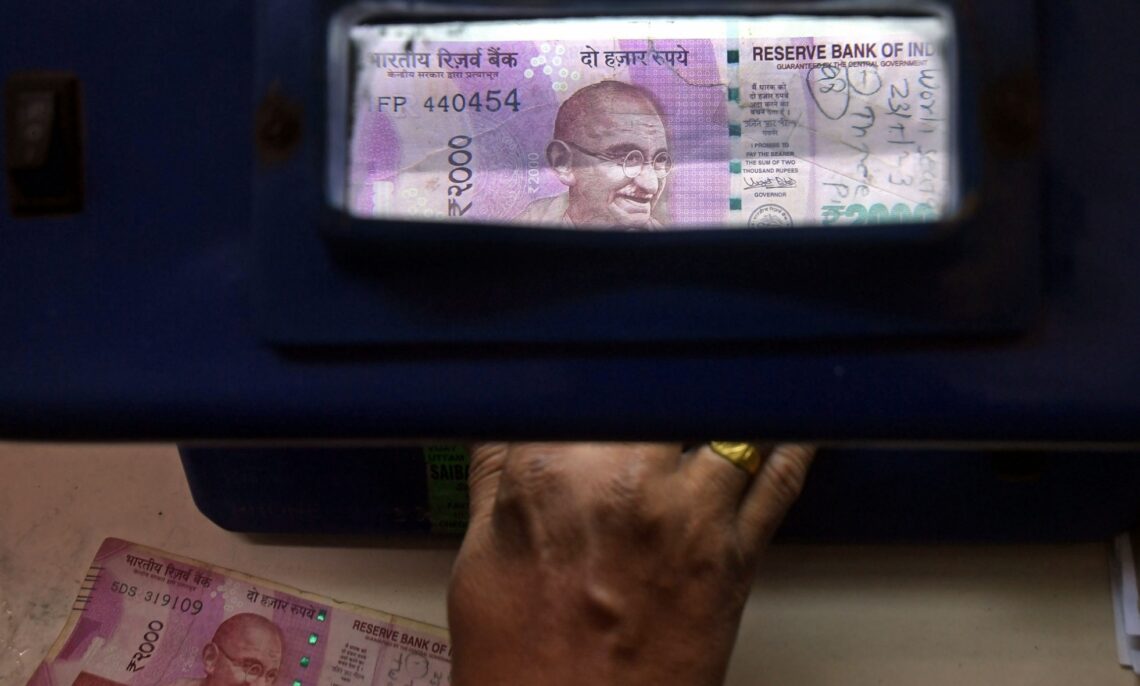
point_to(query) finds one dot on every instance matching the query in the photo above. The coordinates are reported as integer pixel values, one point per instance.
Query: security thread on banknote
(655, 123)
(148, 618)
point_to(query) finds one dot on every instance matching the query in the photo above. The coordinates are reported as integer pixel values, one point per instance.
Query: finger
(717, 476)
(486, 468)
(773, 490)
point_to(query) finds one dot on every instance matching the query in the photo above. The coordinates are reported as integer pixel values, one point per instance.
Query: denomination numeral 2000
(146, 648)
(492, 101)
(860, 215)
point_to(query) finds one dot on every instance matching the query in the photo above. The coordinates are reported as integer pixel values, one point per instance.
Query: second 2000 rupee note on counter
(654, 123)
(148, 618)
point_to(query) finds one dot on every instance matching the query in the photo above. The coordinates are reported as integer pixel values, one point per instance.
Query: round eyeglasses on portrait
(253, 669)
(632, 162)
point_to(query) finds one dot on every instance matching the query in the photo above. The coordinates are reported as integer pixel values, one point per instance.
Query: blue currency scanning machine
(171, 268)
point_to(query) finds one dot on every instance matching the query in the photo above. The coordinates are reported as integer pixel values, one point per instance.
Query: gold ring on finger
(747, 456)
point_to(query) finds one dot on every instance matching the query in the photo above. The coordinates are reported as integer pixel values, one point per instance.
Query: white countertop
(847, 615)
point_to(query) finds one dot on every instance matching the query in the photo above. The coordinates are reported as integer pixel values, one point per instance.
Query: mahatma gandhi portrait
(245, 649)
(611, 151)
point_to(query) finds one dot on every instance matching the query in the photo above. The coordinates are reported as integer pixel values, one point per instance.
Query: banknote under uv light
(655, 124)
(148, 618)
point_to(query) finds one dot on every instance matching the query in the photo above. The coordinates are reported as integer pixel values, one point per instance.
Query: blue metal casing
(204, 292)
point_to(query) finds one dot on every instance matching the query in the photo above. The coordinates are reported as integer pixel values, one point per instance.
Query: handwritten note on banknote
(148, 618)
(655, 123)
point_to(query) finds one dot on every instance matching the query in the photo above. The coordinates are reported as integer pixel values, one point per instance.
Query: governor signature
(769, 183)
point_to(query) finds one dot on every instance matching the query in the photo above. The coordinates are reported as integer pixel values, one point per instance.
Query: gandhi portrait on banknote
(245, 649)
(610, 148)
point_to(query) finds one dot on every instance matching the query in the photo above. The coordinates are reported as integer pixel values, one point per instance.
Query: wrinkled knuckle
(483, 452)
(786, 474)
(613, 499)
(535, 467)
(479, 474)
(624, 502)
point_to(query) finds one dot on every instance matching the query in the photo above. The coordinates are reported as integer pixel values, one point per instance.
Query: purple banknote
(148, 618)
(647, 124)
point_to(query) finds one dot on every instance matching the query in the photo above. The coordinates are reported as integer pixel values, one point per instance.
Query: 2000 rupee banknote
(644, 124)
(148, 618)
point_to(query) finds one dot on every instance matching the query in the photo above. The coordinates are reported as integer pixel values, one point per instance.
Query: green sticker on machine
(447, 488)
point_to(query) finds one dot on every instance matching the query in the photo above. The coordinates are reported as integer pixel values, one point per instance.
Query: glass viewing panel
(652, 124)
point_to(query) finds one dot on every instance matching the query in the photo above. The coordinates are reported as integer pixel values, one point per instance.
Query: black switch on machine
(43, 143)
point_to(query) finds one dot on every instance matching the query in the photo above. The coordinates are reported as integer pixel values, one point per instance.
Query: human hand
(610, 563)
